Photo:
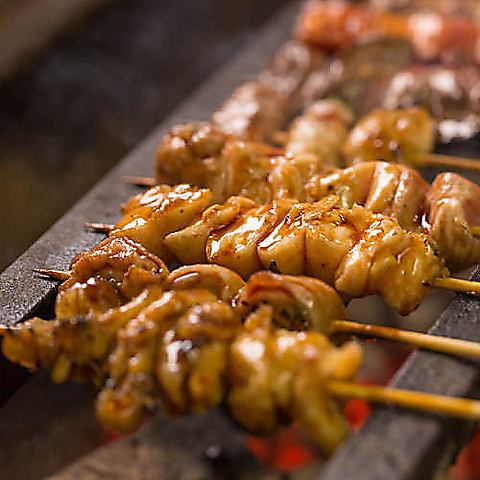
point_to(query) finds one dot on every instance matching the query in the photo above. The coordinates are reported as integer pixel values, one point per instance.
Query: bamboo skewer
(450, 346)
(457, 285)
(100, 227)
(55, 274)
(435, 343)
(140, 181)
(425, 402)
(433, 159)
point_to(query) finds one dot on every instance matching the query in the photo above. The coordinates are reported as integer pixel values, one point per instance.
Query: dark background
(74, 111)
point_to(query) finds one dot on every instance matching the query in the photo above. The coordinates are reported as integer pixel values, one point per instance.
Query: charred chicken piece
(73, 348)
(254, 112)
(112, 273)
(259, 108)
(151, 215)
(322, 131)
(278, 375)
(453, 205)
(392, 136)
(232, 167)
(390, 189)
(78, 347)
(175, 350)
(298, 303)
(221, 281)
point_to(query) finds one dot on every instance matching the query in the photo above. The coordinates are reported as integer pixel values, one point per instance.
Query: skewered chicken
(451, 95)
(199, 154)
(403, 136)
(452, 206)
(279, 374)
(332, 119)
(246, 169)
(77, 346)
(161, 209)
(298, 303)
(205, 337)
(257, 109)
(359, 252)
(109, 275)
(183, 343)
(335, 25)
(468, 8)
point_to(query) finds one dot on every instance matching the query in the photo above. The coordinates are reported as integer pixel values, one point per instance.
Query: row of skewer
(260, 199)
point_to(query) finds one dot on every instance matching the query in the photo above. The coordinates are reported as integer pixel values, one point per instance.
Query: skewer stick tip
(55, 274)
(100, 227)
(140, 181)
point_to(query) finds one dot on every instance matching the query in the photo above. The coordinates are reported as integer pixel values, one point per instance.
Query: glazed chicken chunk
(78, 346)
(453, 205)
(322, 131)
(199, 155)
(392, 136)
(112, 273)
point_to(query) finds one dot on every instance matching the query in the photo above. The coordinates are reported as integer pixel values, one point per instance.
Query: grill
(44, 428)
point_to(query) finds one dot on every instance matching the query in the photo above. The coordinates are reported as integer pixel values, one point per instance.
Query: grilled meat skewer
(352, 249)
(191, 348)
(333, 26)
(198, 154)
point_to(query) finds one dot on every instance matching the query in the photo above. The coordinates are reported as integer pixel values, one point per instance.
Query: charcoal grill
(47, 429)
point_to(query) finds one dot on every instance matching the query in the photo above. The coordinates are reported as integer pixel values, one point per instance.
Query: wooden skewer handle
(426, 402)
(433, 159)
(457, 285)
(451, 346)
